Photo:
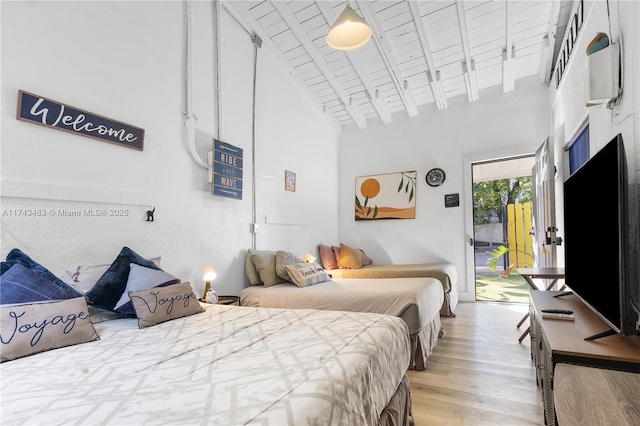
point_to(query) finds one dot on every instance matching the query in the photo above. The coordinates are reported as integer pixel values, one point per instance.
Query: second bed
(416, 300)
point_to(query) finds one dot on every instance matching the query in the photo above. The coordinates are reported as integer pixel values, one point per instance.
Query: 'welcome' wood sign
(48, 113)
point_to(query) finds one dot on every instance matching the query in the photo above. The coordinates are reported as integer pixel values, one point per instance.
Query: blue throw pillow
(16, 256)
(109, 288)
(22, 285)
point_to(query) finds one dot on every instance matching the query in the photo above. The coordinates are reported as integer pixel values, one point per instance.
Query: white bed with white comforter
(227, 365)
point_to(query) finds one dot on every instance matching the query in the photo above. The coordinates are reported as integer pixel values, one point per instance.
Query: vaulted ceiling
(421, 52)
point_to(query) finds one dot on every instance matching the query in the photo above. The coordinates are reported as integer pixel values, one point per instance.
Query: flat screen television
(595, 239)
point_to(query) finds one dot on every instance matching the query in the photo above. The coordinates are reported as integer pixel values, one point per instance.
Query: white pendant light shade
(349, 32)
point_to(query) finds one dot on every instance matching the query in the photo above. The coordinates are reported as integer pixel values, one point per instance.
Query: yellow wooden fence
(519, 220)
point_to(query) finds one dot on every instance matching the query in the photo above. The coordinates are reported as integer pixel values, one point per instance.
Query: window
(579, 150)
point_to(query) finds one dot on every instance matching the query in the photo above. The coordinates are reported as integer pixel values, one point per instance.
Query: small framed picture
(289, 181)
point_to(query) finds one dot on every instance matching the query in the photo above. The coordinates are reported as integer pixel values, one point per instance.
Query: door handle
(471, 242)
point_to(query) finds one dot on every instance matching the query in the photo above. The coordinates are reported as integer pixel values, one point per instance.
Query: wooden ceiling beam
(250, 24)
(508, 53)
(469, 66)
(434, 75)
(382, 44)
(316, 56)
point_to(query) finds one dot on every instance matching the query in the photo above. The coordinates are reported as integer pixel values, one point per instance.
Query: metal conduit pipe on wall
(189, 114)
(257, 42)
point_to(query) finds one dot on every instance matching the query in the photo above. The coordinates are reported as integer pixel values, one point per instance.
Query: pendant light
(349, 32)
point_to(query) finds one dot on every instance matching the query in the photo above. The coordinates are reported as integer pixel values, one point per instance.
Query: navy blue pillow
(16, 256)
(107, 291)
(22, 285)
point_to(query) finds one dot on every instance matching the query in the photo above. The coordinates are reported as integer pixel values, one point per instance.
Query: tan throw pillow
(156, 305)
(284, 258)
(250, 267)
(350, 258)
(28, 329)
(266, 267)
(307, 274)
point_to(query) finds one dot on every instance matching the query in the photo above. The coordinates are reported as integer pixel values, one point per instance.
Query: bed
(167, 358)
(344, 261)
(444, 272)
(226, 365)
(416, 301)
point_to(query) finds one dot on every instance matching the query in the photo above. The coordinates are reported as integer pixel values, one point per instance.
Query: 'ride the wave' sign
(227, 170)
(48, 113)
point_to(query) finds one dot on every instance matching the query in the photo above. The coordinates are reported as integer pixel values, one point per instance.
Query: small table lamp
(309, 258)
(209, 275)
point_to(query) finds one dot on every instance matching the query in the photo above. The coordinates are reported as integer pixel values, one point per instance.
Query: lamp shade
(209, 274)
(349, 32)
(309, 258)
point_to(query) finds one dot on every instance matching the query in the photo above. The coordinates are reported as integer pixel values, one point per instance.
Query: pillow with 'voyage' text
(160, 304)
(31, 328)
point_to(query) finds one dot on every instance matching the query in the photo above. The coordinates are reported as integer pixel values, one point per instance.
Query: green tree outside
(492, 195)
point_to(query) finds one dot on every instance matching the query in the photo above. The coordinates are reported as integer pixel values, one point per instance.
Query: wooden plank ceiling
(421, 52)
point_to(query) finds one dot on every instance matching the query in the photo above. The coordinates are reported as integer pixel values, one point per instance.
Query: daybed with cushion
(346, 262)
(176, 362)
(416, 300)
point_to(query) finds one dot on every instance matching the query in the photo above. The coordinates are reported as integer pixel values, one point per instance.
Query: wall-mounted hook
(150, 214)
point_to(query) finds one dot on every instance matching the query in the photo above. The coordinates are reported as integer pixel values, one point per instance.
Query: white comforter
(228, 365)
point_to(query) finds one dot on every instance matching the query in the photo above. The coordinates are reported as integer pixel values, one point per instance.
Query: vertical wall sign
(45, 112)
(227, 170)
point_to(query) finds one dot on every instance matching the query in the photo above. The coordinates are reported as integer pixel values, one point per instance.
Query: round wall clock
(435, 177)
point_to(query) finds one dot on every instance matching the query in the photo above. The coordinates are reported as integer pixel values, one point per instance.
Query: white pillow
(142, 278)
(83, 278)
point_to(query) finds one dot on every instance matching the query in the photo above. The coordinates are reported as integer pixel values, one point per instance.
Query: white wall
(569, 108)
(436, 138)
(126, 61)
(298, 220)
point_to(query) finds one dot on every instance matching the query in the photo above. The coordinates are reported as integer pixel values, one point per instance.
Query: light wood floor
(480, 374)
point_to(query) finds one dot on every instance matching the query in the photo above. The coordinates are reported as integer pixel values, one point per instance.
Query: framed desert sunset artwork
(386, 196)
